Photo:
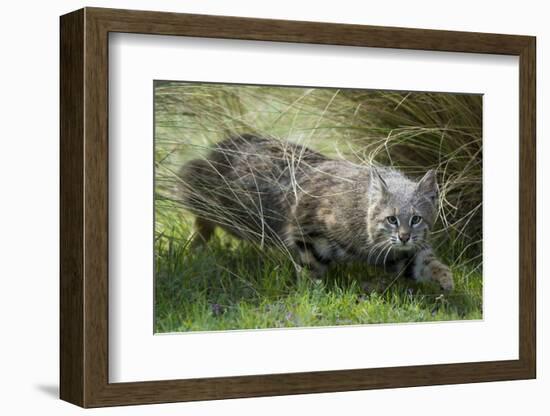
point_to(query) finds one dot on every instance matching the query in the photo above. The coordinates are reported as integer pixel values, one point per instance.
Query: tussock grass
(232, 285)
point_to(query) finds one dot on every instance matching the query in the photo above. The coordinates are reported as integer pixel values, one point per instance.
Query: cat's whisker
(374, 249)
(386, 256)
(387, 245)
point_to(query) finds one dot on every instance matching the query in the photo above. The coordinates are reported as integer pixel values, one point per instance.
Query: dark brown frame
(84, 207)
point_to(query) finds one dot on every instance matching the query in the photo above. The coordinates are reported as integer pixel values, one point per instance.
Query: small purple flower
(217, 309)
(289, 316)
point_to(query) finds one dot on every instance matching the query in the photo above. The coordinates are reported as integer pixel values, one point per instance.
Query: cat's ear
(427, 186)
(377, 184)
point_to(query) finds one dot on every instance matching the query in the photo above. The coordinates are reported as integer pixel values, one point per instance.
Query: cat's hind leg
(204, 229)
(311, 260)
(427, 266)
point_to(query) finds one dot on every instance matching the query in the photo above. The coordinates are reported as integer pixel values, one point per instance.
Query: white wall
(29, 205)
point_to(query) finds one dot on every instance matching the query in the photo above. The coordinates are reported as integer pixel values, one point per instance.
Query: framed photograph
(255, 207)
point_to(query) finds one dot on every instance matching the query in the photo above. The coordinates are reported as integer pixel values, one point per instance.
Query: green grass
(233, 285)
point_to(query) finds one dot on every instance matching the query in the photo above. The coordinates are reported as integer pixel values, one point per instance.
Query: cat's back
(251, 162)
(263, 156)
(245, 180)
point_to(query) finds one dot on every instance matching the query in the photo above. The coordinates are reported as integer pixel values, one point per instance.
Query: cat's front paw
(443, 275)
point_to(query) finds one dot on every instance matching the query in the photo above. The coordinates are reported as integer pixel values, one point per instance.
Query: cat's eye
(415, 219)
(392, 220)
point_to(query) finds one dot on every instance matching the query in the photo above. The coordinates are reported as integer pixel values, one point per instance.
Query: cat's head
(401, 211)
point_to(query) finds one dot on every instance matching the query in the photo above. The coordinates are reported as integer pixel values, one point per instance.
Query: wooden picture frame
(84, 207)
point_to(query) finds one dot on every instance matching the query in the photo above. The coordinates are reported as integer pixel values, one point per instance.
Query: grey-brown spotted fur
(319, 210)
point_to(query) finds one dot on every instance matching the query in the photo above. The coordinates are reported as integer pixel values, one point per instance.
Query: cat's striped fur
(319, 210)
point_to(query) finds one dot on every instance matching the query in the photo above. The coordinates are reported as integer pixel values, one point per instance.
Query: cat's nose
(404, 237)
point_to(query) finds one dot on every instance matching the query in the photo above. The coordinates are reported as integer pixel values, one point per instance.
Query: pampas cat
(321, 211)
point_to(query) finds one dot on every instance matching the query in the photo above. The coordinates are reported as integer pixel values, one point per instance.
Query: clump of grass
(231, 285)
